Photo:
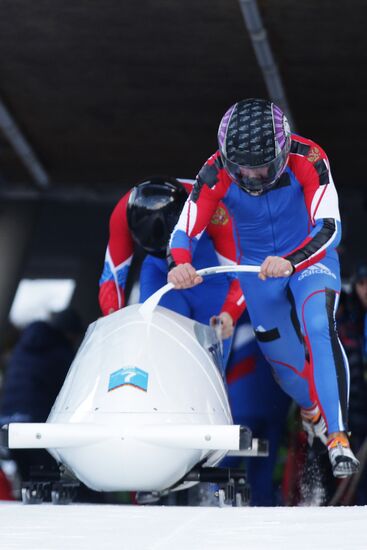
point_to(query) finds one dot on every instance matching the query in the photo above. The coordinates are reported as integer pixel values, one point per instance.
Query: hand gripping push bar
(147, 308)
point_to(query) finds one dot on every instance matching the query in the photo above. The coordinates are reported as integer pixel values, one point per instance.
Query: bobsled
(143, 406)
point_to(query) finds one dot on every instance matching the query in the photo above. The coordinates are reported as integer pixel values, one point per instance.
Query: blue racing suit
(216, 245)
(293, 317)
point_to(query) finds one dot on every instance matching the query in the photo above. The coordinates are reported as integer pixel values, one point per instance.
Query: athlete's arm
(313, 172)
(222, 232)
(117, 260)
(210, 186)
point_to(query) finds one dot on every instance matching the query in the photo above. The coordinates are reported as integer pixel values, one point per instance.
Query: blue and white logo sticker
(129, 376)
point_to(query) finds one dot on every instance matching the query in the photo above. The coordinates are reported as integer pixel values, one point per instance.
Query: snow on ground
(122, 527)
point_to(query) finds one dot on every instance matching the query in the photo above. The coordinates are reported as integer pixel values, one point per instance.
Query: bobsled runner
(143, 408)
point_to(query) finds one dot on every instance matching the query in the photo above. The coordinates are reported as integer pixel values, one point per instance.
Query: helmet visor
(258, 179)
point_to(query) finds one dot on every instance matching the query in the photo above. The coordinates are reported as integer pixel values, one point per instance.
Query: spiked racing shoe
(343, 462)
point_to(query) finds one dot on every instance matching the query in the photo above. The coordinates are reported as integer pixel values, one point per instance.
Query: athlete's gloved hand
(275, 266)
(225, 321)
(184, 276)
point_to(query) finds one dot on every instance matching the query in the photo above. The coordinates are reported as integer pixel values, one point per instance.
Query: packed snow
(124, 527)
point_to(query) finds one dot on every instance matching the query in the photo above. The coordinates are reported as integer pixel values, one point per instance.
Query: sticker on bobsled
(129, 376)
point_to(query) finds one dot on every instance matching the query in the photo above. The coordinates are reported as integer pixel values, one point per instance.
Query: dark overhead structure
(265, 57)
(22, 148)
(95, 96)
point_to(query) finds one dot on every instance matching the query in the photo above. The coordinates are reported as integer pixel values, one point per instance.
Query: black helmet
(254, 142)
(153, 209)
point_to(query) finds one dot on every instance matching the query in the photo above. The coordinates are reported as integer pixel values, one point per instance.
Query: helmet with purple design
(254, 142)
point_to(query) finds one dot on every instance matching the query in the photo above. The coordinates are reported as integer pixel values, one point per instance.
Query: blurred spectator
(350, 320)
(313, 482)
(34, 375)
(352, 328)
(358, 305)
(9, 480)
(9, 339)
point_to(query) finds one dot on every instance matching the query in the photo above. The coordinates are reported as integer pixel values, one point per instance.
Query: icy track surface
(105, 527)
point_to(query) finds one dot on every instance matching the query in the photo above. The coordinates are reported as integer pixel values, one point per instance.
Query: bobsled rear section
(167, 365)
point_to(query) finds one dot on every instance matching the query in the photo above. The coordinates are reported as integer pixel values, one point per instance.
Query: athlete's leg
(274, 321)
(316, 293)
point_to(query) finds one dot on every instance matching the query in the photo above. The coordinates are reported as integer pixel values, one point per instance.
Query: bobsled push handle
(147, 308)
(228, 269)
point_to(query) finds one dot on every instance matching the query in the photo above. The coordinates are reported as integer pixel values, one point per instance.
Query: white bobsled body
(144, 402)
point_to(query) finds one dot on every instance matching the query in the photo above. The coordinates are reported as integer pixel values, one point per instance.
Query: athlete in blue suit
(278, 188)
(145, 216)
